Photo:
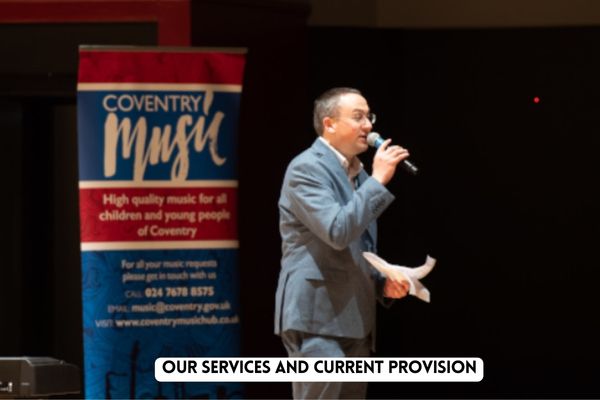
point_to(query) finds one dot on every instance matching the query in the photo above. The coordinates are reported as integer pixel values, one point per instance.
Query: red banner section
(158, 214)
(115, 66)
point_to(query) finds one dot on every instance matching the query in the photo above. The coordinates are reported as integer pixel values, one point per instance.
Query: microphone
(374, 139)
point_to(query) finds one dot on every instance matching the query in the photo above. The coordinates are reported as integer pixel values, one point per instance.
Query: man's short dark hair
(326, 105)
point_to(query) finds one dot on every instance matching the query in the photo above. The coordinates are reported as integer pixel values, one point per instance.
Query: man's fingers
(405, 285)
(384, 145)
(396, 151)
(400, 288)
(398, 156)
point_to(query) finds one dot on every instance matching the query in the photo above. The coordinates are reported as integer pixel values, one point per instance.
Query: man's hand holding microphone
(387, 158)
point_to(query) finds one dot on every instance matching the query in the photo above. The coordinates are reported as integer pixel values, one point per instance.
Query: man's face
(347, 130)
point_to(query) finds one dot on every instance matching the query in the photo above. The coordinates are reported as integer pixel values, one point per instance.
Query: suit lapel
(330, 160)
(370, 235)
(333, 164)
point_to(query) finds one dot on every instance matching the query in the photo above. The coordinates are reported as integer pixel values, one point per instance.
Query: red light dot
(536, 100)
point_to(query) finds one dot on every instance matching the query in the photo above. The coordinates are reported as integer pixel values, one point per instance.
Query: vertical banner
(158, 206)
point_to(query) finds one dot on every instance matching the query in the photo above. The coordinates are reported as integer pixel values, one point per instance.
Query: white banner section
(376, 369)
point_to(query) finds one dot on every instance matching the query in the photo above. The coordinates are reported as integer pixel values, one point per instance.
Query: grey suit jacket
(325, 285)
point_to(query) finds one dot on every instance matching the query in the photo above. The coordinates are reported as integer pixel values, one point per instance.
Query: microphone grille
(372, 138)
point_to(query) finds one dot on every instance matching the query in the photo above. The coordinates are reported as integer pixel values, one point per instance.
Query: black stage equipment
(37, 377)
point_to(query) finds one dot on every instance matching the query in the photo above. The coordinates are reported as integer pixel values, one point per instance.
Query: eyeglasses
(361, 118)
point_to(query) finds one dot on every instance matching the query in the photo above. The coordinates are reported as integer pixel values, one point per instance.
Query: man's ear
(329, 124)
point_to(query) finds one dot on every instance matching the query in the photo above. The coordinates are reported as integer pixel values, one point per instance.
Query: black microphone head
(372, 138)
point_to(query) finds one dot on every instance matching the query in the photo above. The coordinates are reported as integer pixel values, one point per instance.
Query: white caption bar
(376, 369)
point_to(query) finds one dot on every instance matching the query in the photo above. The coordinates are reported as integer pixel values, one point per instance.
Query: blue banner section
(153, 131)
(141, 305)
(175, 303)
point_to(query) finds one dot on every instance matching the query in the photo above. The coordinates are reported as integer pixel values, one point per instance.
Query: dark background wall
(506, 199)
(40, 279)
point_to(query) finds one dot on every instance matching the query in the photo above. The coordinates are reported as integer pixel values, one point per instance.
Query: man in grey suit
(327, 292)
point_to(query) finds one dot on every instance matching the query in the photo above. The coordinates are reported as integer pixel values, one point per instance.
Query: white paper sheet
(400, 273)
